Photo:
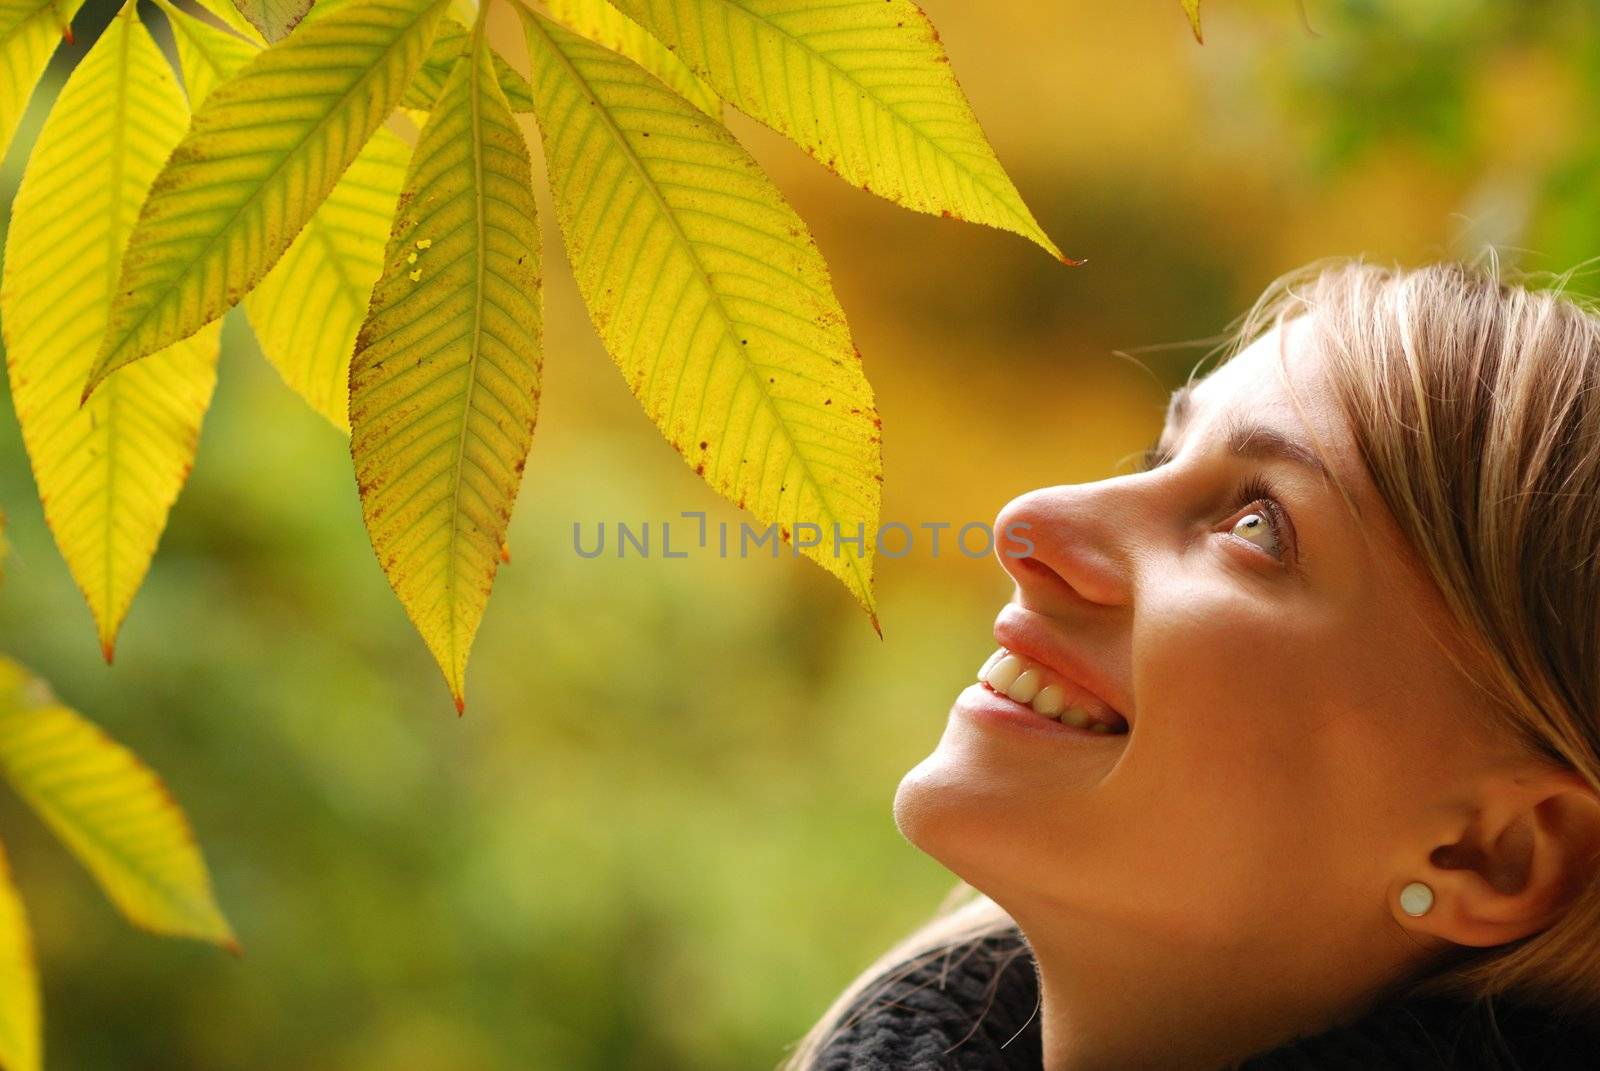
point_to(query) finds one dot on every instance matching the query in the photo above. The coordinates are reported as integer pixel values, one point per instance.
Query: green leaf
(711, 296)
(262, 153)
(1192, 9)
(274, 18)
(448, 45)
(29, 31)
(603, 24)
(444, 385)
(863, 86)
(108, 471)
(207, 55)
(21, 1040)
(109, 809)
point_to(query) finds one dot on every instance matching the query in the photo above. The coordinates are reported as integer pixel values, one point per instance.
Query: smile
(1025, 681)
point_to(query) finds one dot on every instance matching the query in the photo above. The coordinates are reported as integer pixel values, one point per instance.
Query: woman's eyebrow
(1241, 437)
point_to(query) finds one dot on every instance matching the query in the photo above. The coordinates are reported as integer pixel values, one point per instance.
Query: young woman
(1290, 752)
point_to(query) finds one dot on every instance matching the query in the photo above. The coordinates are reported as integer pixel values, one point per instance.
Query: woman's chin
(914, 798)
(986, 790)
(935, 812)
(951, 804)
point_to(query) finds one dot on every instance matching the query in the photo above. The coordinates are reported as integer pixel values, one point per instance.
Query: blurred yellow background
(661, 836)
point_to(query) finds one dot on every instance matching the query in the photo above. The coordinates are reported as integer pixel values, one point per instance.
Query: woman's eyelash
(1255, 488)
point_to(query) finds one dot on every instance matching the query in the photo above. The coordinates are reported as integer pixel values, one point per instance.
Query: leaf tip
(1074, 262)
(97, 376)
(461, 704)
(108, 650)
(1037, 235)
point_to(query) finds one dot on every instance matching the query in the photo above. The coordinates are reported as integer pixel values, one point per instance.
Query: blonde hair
(1475, 405)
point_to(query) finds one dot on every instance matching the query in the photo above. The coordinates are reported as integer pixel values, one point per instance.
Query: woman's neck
(1109, 1002)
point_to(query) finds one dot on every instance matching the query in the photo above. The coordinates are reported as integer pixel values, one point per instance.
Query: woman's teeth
(1036, 686)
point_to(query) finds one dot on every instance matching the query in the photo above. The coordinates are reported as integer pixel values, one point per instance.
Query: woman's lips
(984, 704)
(1031, 636)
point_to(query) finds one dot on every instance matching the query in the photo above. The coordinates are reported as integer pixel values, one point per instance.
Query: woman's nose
(1068, 541)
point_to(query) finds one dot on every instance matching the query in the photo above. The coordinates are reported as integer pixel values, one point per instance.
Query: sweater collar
(976, 1007)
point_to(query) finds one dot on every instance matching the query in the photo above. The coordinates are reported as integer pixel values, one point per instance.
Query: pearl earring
(1416, 899)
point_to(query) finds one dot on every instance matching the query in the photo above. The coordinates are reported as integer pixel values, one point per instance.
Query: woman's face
(1293, 730)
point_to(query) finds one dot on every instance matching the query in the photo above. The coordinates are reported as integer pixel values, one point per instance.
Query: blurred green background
(661, 836)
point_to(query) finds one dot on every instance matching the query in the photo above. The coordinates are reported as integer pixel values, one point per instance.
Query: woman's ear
(1530, 845)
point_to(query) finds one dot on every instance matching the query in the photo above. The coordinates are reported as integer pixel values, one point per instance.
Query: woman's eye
(1266, 524)
(1258, 527)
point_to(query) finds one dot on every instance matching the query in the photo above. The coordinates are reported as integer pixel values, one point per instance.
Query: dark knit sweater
(977, 1010)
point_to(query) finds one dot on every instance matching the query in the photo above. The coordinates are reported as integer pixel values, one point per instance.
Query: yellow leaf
(29, 32)
(711, 296)
(308, 308)
(444, 383)
(1192, 9)
(273, 18)
(207, 55)
(603, 24)
(20, 1036)
(109, 471)
(261, 154)
(109, 809)
(863, 86)
(229, 16)
(306, 311)
(448, 44)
